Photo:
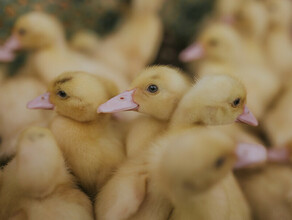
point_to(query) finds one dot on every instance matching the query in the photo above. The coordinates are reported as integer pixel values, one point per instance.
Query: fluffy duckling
(91, 143)
(43, 36)
(219, 49)
(194, 170)
(36, 183)
(278, 41)
(14, 94)
(135, 44)
(126, 195)
(155, 93)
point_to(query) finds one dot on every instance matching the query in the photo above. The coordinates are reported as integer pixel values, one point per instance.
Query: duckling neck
(186, 117)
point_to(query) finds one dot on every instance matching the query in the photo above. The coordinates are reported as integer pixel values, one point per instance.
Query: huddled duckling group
(89, 131)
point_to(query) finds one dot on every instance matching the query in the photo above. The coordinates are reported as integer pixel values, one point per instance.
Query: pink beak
(7, 50)
(250, 155)
(121, 102)
(41, 102)
(193, 52)
(247, 117)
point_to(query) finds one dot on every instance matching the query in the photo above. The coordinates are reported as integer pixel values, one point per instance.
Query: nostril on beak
(121, 98)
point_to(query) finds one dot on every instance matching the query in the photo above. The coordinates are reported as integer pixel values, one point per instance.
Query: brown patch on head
(61, 81)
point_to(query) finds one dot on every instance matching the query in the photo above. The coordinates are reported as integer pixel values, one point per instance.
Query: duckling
(206, 188)
(86, 42)
(43, 36)
(251, 22)
(132, 193)
(36, 183)
(91, 143)
(226, 9)
(155, 93)
(14, 94)
(278, 39)
(219, 49)
(136, 42)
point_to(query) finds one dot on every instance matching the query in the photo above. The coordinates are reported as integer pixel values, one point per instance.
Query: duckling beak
(193, 52)
(7, 50)
(250, 155)
(247, 117)
(41, 102)
(119, 103)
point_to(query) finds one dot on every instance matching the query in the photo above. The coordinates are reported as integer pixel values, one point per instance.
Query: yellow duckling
(136, 43)
(91, 143)
(194, 169)
(36, 183)
(155, 93)
(219, 49)
(132, 193)
(43, 36)
(278, 40)
(14, 94)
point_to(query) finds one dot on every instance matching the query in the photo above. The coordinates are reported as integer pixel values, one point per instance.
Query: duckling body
(92, 149)
(53, 195)
(268, 191)
(92, 143)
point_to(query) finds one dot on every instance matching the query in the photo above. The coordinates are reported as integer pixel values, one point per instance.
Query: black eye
(236, 102)
(220, 162)
(213, 43)
(62, 94)
(21, 31)
(152, 88)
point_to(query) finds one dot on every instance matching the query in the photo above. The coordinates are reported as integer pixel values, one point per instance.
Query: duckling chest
(88, 142)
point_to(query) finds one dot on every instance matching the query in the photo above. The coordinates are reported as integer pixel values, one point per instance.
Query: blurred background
(181, 20)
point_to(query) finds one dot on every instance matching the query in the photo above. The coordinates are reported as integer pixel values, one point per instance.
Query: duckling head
(279, 13)
(155, 92)
(214, 100)
(75, 95)
(217, 41)
(193, 162)
(36, 30)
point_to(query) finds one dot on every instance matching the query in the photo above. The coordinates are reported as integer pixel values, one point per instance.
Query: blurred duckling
(194, 169)
(36, 183)
(15, 92)
(219, 49)
(43, 36)
(132, 193)
(91, 143)
(135, 44)
(155, 93)
(226, 9)
(278, 40)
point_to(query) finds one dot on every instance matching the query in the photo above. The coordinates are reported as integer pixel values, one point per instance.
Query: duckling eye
(152, 88)
(236, 102)
(62, 94)
(21, 31)
(213, 43)
(220, 162)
